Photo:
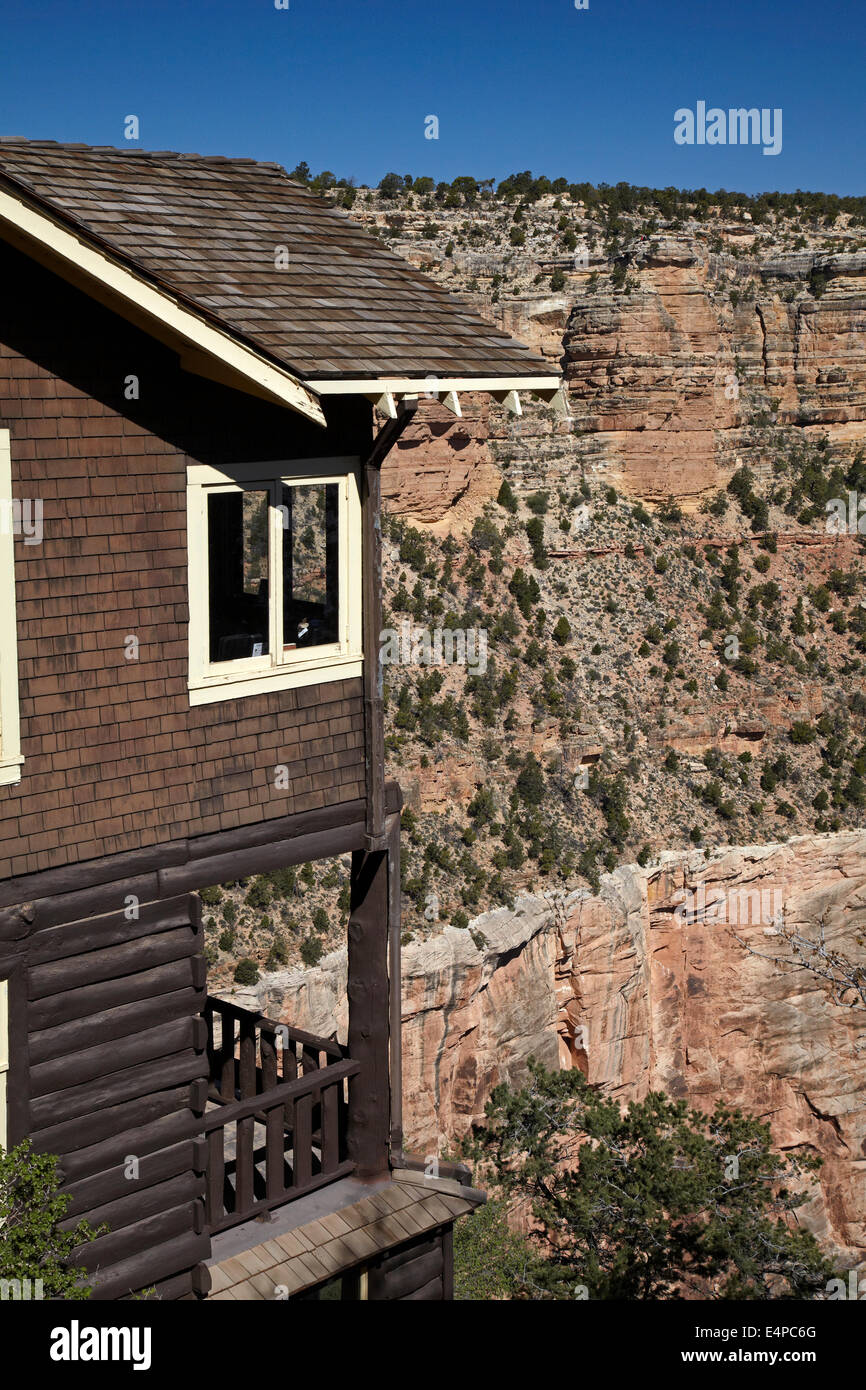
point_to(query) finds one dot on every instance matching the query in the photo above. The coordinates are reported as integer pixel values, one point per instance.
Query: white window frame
(279, 669)
(10, 727)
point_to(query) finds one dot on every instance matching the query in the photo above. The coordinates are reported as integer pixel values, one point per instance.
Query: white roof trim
(252, 372)
(433, 385)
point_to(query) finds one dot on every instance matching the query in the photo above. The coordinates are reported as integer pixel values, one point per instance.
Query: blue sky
(346, 85)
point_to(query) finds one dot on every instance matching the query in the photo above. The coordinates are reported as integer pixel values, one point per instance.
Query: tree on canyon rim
(652, 1201)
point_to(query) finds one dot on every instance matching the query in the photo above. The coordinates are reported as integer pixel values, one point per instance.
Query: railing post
(369, 1100)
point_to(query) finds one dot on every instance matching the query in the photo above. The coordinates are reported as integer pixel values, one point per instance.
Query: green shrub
(530, 782)
(506, 498)
(537, 502)
(312, 950)
(490, 1260)
(259, 894)
(646, 1204)
(246, 972)
(801, 731)
(34, 1246)
(321, 921)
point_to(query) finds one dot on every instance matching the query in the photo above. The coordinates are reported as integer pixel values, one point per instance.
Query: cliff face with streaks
(668, 379)
(664, 980)
(668, 373)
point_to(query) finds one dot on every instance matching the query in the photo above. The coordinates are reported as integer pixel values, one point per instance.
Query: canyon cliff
(665, 381)
(664, 980)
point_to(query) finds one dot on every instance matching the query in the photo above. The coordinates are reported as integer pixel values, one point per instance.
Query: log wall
(117, 1086)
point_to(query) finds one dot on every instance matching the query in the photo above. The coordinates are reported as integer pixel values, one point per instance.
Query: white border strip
(10, 728)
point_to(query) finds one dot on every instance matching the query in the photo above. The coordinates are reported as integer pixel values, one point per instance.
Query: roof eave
(205, 349)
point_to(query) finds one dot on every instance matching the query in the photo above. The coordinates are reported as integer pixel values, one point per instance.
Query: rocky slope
(618, 984)
(676, 664)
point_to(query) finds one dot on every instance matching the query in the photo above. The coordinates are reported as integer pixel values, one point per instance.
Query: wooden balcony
(276, 1117)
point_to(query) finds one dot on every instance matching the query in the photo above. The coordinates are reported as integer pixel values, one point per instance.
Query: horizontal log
(149, 1078)
(143, 1270)
(137, 1205)
(114, 1122)
(414, 1251)
(55, 1009)
(82, 1033)
(110, 929)
(112, 1185)
(324, 818)
(414, 1274)
(14, 925)
(45, 912)
(55, 1080)
(113, 963)
(432, 1292)
(99, 1166)
(173, 1289)
(261, 859)
(136, 1238)
(78, 879)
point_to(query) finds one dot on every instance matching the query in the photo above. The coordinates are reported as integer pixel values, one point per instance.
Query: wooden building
(191, 350)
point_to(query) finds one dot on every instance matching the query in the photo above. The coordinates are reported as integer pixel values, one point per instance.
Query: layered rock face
(441, 472)
(666, 980)
(668, 378)
(665, 382)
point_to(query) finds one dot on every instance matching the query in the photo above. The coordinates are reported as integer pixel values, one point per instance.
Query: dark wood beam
(79, 891)
(371, 526)
(369, 1097)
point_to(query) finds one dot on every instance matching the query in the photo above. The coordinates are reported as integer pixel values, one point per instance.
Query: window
(274, 576)
(351, 1286)
(10, 736)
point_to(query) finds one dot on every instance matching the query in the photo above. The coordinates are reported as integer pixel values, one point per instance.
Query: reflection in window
(238, 574)
(310, 564)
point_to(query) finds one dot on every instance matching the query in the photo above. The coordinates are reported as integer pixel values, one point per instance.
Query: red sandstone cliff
(618, 986)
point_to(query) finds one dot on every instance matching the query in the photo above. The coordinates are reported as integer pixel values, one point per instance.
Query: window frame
(209, 681)
(11, 758)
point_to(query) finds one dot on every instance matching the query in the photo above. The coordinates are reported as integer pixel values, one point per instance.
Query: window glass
(309, 514)
(238, 572)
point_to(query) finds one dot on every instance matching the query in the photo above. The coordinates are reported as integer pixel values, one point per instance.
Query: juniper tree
(35, 1244)
(651, 1201)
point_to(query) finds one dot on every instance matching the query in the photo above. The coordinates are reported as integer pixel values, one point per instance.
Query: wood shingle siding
(115, 758)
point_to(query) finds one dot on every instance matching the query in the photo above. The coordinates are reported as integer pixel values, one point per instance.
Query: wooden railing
(277, 1126)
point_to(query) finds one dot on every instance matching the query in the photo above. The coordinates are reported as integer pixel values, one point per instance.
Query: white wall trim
(433, 384)
(341, 660)
(10, 729)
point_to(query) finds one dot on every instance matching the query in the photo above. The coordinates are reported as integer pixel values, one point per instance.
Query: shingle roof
(207, 229)
(396, 1212)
